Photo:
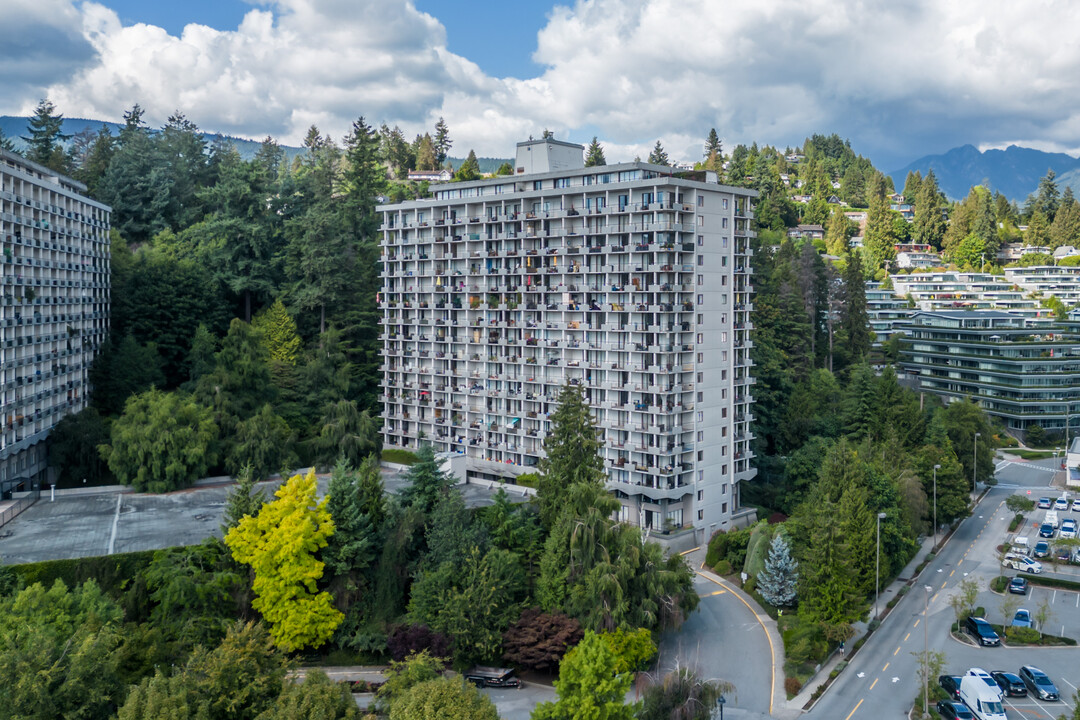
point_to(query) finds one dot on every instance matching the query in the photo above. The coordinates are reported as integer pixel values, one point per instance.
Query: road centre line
(944, 584)
(854, 709)
(906, 637)
(874, 683)
(885, 668)
(772, 650)
(951, 572)
(916, 623)
(896, 650)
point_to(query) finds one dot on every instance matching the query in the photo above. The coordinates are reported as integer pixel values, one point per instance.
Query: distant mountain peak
(1014, 171)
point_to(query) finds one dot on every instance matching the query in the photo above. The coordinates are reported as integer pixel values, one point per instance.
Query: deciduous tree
(280, 545)
(589, 685)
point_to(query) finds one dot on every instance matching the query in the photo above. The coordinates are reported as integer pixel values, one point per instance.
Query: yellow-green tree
(279, 334)
(280, 545)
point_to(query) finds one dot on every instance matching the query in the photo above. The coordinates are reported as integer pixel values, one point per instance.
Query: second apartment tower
(631, 281)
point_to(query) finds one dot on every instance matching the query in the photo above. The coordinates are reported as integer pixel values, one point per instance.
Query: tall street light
(720, 704)
(975, 462)
(926, 654)
(877, 595)
(936, 468)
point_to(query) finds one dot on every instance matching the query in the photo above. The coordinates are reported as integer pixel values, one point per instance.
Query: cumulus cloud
(899, 79)
(41, 42)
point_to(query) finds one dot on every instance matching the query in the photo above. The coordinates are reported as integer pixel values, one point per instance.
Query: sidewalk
(793, 707)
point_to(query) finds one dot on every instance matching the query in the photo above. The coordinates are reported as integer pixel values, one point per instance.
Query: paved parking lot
(78, 524)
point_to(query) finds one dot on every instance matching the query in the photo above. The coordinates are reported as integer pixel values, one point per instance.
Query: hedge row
(112, 573)
(1050, 582)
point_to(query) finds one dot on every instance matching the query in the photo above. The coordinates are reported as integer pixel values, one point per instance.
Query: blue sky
(900, 80)
(497, 35)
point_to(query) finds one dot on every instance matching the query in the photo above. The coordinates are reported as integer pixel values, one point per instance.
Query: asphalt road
(882, 680)
(723, 640)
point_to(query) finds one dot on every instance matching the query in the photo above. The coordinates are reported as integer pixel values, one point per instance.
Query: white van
(981, 693)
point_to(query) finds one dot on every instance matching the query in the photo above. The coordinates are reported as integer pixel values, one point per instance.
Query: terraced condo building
(55, 310)
(632, 281)
(1025, 371)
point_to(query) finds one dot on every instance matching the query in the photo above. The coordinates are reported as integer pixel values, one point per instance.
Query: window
(701, 201)
(538, 184)
(700, 495)
(723, 318)
(723, 471)
(701, 260)
(723, 393)
(700, 221)
(723, 279)
(700, 299)
(723, 261)
(723, 374)
(723, 488)
(723, 431)
(723, 337)
(723, 355)
(723, 223)
(700, 454)
(700, 514)
(700, 279)
(723, 451)
(701, 377)
(723, 508)
(701, 436)
(701, 337)
(700, 416)
(725, 203)
(701, 357)
(723, 412)
(700, 396)
(562, 182)
(700, 240)
(723, 242)
(700, 319)
(700, 475)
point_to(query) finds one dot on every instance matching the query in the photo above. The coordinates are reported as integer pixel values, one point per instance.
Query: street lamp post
(936, 468)
(926, 654)
(975, 462)
(720, 704)
(877, 594)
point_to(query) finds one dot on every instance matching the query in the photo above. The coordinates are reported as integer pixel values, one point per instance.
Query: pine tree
(1048, 197)
(1038, 232)
(854, 320)
(279, 334)
(880, 238)
(778, 581)
(929, 222)
(838, 231)
(427, 482)
(594, 155)
(1065, 230)
(244, 500)
(6, 143)
(443, 142)
(658, 156)
(44, 143)
(470, 169)
(713, 146)
(573, 453)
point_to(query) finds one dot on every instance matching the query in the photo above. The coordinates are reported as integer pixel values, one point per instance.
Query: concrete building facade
(632, 281)
(55, 311)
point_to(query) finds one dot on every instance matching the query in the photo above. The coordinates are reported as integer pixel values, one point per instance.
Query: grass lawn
(1031, 454)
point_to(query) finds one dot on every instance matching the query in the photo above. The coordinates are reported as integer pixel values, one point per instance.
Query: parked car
(951, 685)
(1018, 586)
(492, 677)
(979, 629)
(1046, 530)
(1061, 554)
(1061, 504)
(1076, 505)
(1022, 562)
(1022, 618)
(1010, 683)
(950, 710)
(1068, 528)
(1045, 503)
(1039, 683)
(1042, 549)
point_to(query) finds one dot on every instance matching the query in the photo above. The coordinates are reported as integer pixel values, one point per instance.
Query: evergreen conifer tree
(573, 453)
(594, 154)
(778, 581)
(44, 143)
(659, 156)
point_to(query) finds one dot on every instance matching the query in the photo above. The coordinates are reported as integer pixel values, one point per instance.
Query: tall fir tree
(44, 145)
(929, 226)
(594, 154)
(713, 146)
(659, 156)
(855, 322)
(880, 237)
(443, 143)
(572, 453)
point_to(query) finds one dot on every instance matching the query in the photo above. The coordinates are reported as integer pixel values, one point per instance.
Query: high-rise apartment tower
(632, 281)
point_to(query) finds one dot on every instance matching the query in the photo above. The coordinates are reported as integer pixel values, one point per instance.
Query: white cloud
(899, 79)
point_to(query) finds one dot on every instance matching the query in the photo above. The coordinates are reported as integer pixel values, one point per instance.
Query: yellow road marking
(916, 623)
(906, 637)
(896, 650)
(853, 710)
(961, 561)
(874, 683)
(886, 665)
(687, 552)
(951, 573)
(944, 584)
(772, 650)
(718, 592)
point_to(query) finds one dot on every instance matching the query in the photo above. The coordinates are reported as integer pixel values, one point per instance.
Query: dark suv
(1038, 683)
(979, 629)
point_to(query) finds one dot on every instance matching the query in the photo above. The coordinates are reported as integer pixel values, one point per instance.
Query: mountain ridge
(1014, 171)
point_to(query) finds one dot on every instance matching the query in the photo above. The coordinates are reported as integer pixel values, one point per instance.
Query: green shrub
(730, 546)
(999, 583)
(399, 456)
(722, 568)
(792, 686)
(1026, 635)
(750, 585)
(529, 480)
(757, 549)
(1050, 582)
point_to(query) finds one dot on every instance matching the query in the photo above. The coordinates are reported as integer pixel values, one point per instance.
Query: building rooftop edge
(57, 177)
